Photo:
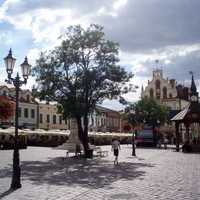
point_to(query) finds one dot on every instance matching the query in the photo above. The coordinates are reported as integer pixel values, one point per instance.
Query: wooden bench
(99, 152)
(75, 152)
(102, 153)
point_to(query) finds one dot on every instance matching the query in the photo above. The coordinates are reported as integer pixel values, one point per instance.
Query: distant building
(159, 87)
(28, 108)
(166, 91)
(34, 114)
(49, 118)
(104, 119)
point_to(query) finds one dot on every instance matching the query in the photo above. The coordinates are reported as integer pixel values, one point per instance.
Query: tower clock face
(194, 98)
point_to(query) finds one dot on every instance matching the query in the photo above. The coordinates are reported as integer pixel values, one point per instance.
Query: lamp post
(17, 82)
(133, 123)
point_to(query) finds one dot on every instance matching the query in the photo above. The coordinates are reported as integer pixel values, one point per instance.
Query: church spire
(193, 85)
(142, 91)
(193, 90)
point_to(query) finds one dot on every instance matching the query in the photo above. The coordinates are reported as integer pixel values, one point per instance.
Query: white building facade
(164, 90)
(104, 120)
(159, 87)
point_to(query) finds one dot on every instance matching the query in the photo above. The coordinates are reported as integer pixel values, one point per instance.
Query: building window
(151, 93)
(164, 93)
(48, 119)
(4, 93)
(54, 119)
(92, 121)
(170, 95)
(41, 118)
(96, 121)
(19, 112)
(32, 113)
(28, 98)
(157, 84)
(60, 119)
(26, 112)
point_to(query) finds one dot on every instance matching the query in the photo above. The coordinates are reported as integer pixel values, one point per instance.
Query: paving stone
(153, 174)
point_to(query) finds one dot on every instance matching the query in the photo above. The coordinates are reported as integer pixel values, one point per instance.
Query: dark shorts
(116, 152)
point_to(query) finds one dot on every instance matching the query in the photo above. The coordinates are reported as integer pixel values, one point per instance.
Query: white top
(115, 144)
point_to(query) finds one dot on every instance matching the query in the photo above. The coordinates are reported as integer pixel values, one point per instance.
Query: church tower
(193, 91)
(142, 92)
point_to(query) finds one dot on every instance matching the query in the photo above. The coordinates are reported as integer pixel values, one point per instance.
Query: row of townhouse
(104, 120)
(33, 114)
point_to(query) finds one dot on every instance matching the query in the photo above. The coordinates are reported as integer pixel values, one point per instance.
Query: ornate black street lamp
(132, 120)
(17, 82)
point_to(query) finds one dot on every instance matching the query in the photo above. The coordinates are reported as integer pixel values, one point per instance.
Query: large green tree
(151, 110)
(80, 73)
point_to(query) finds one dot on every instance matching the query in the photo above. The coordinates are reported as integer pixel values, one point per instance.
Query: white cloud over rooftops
(146, 30)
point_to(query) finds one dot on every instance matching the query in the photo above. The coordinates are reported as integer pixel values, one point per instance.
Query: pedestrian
(159, 143)
(165, 142)
(115, 148)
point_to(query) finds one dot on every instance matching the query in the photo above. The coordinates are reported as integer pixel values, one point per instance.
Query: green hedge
(107, 139)
(32, 139)
(53, 140)
(7, 141)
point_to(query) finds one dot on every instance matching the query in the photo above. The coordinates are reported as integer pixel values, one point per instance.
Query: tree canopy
(80, 73)
(148, 110)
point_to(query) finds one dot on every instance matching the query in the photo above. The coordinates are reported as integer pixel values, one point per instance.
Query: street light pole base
(15, 185)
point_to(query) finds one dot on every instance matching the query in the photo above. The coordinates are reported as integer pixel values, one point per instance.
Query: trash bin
(90, 153)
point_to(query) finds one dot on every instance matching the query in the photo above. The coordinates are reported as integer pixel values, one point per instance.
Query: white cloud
(112, 104)
(119, 4)
(32, 55)
(6, 38)
(146, 30)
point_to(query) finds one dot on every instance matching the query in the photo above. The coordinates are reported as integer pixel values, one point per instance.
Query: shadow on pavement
(94, 173)
(6, 193)
(90, 173)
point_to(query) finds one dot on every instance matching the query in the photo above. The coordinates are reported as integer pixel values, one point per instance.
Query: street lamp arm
(16, 81)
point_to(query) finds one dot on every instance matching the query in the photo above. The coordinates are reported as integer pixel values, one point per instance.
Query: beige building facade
(49, 118)
(104, 120)
(35, 114)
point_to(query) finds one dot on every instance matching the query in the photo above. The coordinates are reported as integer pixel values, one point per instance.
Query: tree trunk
(83, 135)
(154, 134)
(80, 129)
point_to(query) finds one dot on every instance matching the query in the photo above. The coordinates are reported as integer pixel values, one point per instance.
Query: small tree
(7, 108)
(80, 73)
(148, 111)
(151, 111)
(134, 119)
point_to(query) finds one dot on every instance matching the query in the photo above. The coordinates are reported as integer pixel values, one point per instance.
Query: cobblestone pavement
(153, 174)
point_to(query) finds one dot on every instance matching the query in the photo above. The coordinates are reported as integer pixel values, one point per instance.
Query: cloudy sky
(146, 30)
